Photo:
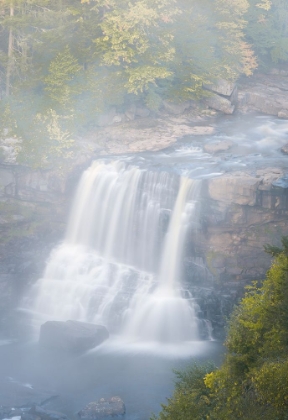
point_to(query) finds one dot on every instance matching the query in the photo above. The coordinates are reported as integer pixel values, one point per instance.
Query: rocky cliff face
(241, 212)
(32, 219)
(244, 212)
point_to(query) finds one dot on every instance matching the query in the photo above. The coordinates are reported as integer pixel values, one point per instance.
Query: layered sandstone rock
(243, 212)
(266, 94)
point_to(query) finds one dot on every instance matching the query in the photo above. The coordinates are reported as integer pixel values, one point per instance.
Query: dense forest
(64, 62)
(252, 383)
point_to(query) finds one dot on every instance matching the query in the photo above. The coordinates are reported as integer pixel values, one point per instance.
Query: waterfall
(120, 262)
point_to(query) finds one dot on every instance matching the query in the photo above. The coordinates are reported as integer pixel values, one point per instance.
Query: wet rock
(283, 114)
(281, 182)
(219, 103)
(176, 108)
(17, 395)
(72, 336)
(37, 412)
(268, 176)
(102, 409)
(218, 146)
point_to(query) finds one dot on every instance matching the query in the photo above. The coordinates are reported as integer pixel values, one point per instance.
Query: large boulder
(222, 87)
(114, 407)
(72, 336)
(219, 103)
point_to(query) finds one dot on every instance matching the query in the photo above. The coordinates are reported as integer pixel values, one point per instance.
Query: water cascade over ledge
(121, 261)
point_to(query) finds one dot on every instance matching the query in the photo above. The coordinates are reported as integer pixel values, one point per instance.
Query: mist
(143, 187)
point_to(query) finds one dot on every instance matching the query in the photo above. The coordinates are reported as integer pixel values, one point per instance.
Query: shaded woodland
(64, 62)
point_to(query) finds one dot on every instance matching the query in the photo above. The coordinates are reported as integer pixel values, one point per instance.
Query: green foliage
(60, 82)
(267, 29)
(191, 399)
(49, 141)
(78, 58)
(274, 250)
(252, 383)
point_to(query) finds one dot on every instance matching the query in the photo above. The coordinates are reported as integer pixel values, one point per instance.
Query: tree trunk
(10, 55)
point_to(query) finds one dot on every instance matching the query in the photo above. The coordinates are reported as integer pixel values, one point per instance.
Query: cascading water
(164, 314)
(120, 263)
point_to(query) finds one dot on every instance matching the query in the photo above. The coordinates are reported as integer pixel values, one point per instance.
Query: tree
(252, 383)
(61, 81)
(267, 30)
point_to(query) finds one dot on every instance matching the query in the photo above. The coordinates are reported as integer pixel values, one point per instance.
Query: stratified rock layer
(266, 94)
(244, 211)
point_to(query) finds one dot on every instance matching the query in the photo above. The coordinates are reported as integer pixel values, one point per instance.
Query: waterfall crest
(120, 262)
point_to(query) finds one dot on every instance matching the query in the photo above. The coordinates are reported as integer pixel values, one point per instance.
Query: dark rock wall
(33, 213)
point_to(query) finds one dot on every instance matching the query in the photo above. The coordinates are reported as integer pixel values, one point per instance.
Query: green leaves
(60, 82)
(267, 29)
(81, 57)
(252, 383)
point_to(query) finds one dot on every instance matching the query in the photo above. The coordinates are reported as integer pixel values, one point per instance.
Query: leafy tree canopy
(78, 58)
(252, 383)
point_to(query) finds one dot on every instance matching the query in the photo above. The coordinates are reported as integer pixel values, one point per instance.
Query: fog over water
(120, 265)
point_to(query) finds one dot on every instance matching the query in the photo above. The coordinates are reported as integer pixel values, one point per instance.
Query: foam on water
(120, 263)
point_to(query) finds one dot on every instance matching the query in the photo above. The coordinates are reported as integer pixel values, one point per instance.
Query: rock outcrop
(103, 409)
(39, 413)
(223, 96)
(266, 94)
(220, 104)
(72, 336)
(234, 188)
(244, 212)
